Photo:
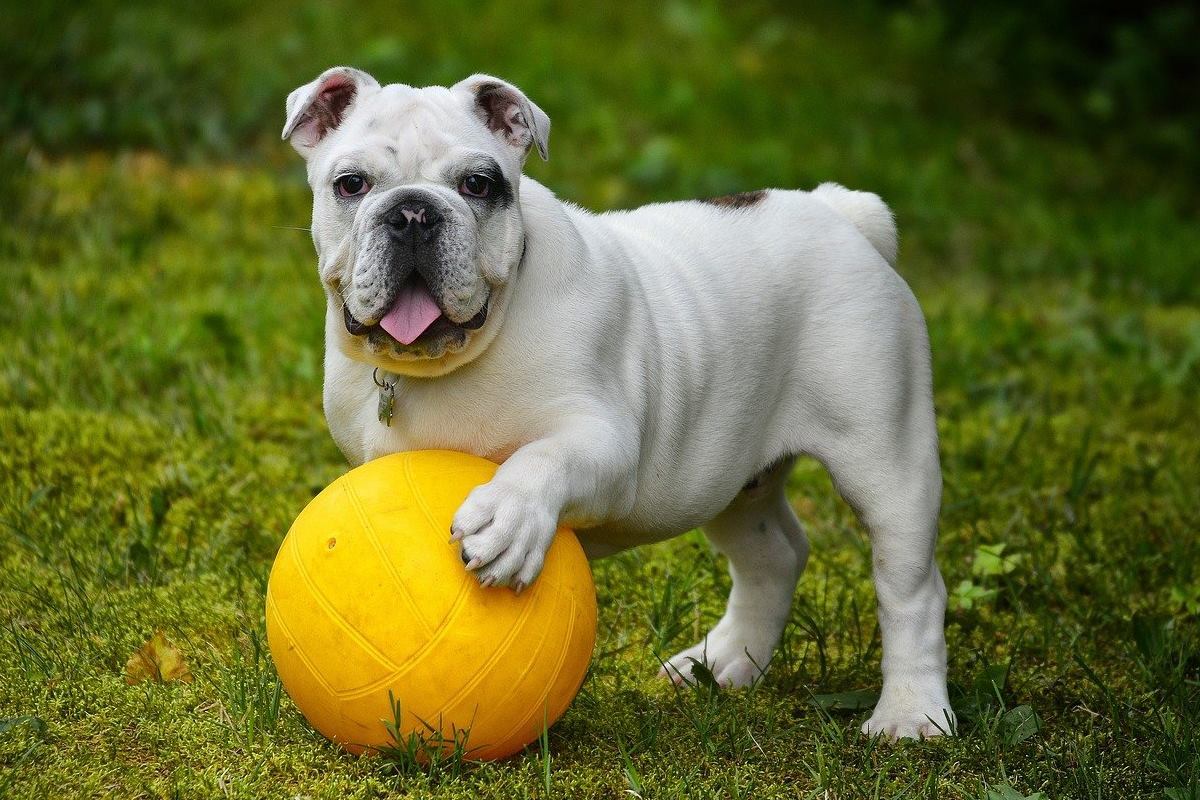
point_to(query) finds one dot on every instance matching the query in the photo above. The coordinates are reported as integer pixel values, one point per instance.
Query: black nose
(413, 219)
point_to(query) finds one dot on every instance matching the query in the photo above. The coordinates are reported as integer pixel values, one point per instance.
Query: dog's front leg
(580, 475)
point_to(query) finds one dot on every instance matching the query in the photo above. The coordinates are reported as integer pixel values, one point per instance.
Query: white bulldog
(637, 373)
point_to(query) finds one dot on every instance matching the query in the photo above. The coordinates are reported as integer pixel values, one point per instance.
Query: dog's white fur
(639, 368)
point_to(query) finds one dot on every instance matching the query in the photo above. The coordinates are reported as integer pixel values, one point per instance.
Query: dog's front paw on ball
(504, 535)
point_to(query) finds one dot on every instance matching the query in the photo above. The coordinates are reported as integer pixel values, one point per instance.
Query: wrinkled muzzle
(415, 264)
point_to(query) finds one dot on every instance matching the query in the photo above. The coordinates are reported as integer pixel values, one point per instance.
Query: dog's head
(416, 217)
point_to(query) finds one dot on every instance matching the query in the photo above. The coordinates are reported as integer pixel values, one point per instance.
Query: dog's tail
(869, 214)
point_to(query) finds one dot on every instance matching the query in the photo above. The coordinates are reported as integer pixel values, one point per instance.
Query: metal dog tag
(387, 399)
(387, 404)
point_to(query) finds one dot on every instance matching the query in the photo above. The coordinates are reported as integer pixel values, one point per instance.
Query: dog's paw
(918, 716)
(733, 661)
(504, 535)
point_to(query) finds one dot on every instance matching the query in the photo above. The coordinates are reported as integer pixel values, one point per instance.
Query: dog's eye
(476, 186)
(351, 185)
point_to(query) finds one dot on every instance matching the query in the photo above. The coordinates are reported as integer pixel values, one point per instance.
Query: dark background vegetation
(115, 75)
(160, 420)
(202, 81)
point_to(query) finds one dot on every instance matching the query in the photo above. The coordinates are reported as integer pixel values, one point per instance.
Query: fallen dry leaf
(157, 660)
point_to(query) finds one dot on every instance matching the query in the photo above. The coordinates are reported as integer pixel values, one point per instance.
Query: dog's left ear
(508, 113)
(316, 108)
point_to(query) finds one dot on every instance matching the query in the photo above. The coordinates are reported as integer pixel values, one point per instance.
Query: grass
(161, 423)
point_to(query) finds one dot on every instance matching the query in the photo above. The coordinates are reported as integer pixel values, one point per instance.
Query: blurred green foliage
(181, 79)
(1094, 70)
(655, 101)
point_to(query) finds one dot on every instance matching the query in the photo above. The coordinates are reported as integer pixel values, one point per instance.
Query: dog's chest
(423, 418)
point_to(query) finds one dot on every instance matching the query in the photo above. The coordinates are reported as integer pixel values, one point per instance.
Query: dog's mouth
(414, 315)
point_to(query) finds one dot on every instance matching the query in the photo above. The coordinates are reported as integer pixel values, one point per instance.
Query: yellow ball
(368, 595)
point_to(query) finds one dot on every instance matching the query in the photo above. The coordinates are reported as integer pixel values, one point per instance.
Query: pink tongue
(413, 312)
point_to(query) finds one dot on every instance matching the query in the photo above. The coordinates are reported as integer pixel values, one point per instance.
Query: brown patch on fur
(738, 200)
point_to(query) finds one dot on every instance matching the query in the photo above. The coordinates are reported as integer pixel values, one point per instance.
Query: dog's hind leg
(885, 464)
(897, 497)
(767, 550)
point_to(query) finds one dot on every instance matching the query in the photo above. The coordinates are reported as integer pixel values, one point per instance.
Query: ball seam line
(419, 497)
(334, 616)
(312, 668)
(536, 650)
(552, 683)
(372, 537)
(485, 667)
(415, 658)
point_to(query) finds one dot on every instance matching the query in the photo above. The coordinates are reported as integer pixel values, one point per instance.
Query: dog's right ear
(316, 108)
(508, 113)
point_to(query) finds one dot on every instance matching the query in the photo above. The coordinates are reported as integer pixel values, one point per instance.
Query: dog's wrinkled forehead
(346, 108)
(414, 129)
